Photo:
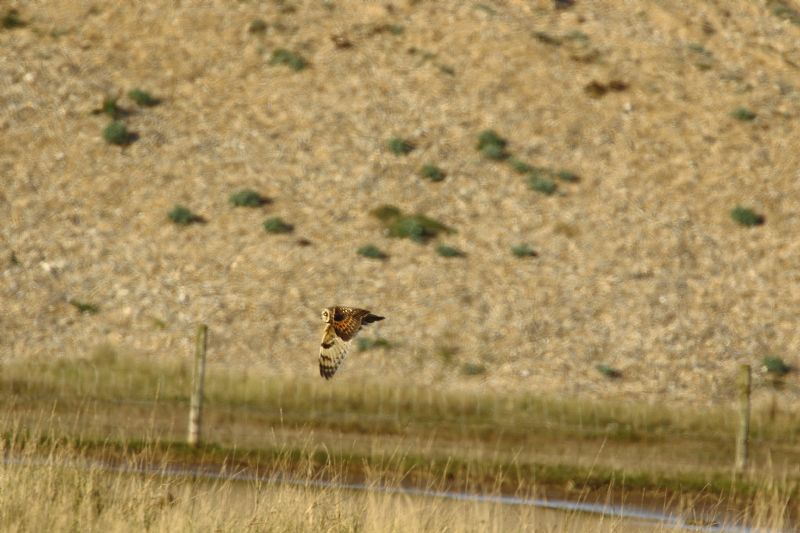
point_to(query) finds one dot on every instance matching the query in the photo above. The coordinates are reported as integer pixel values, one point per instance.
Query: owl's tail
(370, 318)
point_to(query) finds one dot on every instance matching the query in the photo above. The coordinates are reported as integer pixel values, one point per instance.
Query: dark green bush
(745, 216)
(143, 98)
(400, 146)
(277, 225)
(117, 133)
(281, 56)
(432, 172)
(449, 251)
(183, 216)
(523, 250)
(371, 251)
(247, 198)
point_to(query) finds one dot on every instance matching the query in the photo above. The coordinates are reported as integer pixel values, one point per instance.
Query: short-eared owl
(341, 325)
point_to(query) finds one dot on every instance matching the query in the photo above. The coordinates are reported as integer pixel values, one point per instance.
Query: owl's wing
(347, 327)
(332, 351)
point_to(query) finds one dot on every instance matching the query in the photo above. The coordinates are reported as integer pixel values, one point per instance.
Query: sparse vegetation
(117, 133)
(400, 146)
(277, 225)
(523, 250)
(568, 176)
(111, 108)
(521, 166)
(386, 213)
(784, 10)
(743, 114)
(597, 89)
(492, 145)
(775, 366)
(546, 38)
(744, 216)
(449, 251)
(84, 308)
(703, 59)
(372, 252)
(607, 371)
(541, 184)
(417, 227)
(247, 198)
(432, 172)
(11, 20)
(257, 26)
(143, 98)
(183, 216)
(295, 61)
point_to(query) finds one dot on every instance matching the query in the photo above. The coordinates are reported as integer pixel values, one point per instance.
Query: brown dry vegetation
(639, 264)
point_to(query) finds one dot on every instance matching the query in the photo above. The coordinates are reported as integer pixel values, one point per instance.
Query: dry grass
(530, 439)
(50, 487)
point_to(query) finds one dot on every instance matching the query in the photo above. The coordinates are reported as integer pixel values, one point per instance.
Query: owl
(341, 325)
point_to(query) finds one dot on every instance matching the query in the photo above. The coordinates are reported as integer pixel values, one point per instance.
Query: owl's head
(326, 315)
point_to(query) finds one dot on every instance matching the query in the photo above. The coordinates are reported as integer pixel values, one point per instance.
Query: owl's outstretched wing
(351, 322)
(332, 351)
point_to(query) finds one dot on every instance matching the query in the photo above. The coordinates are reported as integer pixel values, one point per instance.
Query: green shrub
(247, 198)
(743, 114)
(782, 9)
(775, 366)
(400, 146)
(569, 177)
(521, 166)
(143, 98)
(257, 26)
(417, 227)
(371, 251)
(608, 371)
(492, 145)
(277, 225)
(281, 56)
(386, 213)
(523, 250)
(183, 216)
(432, 172)
(542, 185)
(745, 216)
(12, 20)
(116, 133)
(449, 251)
(110, 108)
(84, 307)
(546, 38)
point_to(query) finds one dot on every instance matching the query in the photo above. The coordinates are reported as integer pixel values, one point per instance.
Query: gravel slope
(639, 264)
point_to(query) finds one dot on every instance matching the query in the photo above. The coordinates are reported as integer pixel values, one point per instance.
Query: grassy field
(111, 407)
(46, 495)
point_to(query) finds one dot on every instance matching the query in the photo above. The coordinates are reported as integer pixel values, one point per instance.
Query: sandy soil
(639, 265)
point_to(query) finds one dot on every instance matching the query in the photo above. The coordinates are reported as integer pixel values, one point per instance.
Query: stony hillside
(632, 129)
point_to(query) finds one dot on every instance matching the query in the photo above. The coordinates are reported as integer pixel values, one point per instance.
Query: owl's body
(341, 325)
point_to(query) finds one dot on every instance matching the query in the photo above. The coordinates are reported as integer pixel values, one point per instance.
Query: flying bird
(341, 325)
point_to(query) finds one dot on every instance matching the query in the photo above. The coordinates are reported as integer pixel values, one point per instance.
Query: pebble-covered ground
(670, 113)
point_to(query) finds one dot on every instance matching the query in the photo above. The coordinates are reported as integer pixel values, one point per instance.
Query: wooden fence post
(744, 417)
(198, 375)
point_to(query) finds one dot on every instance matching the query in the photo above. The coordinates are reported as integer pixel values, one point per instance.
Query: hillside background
(640, 265)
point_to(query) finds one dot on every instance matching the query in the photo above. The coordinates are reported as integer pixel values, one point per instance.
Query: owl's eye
(338, 316)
